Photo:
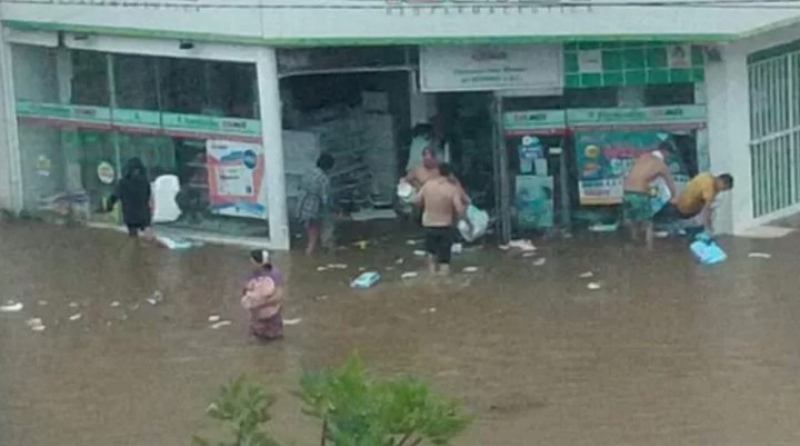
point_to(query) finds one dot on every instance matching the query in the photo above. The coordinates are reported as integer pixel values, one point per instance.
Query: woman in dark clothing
(133, 191)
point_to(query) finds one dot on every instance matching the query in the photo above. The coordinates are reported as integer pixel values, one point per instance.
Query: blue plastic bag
(706, 250)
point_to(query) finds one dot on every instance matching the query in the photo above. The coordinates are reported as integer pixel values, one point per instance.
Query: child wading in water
(263, 298)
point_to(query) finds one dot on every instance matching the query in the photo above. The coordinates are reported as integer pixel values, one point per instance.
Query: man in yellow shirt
(697, 198)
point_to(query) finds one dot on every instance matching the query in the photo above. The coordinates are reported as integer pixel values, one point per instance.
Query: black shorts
(439, 243)
(670, 213)
(135, 228)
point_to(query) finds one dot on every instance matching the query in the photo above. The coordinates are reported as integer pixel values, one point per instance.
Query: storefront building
(226, 101)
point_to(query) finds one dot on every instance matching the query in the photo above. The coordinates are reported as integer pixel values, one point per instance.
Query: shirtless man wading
(442, 203)
(636, 199)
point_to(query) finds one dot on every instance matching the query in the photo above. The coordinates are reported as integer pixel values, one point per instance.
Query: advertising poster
(604, 158)
(534, 201)
(236, 179)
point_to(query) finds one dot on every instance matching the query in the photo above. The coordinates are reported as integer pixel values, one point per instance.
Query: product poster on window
(236, 179)
(605, 157)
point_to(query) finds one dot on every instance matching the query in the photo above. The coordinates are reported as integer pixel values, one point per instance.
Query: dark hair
(134, 168)
(261, 257)
(325, 162)
(421, 130)
(727, 180)
(445, 169)
(665, 147)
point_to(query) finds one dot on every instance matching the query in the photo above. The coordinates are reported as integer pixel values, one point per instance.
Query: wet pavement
(665, 352)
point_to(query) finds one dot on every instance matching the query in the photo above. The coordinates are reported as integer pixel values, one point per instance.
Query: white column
(729, 136)
(272, 140)
(10, 168)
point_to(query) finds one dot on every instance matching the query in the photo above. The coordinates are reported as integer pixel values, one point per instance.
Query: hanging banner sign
(236, 179)
(534, 122)
(490, 68)
(65, 114)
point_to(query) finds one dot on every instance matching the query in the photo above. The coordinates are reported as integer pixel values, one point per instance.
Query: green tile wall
(629, 63)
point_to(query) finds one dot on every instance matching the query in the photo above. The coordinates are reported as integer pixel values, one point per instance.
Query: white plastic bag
(480, 223)
(405, 192)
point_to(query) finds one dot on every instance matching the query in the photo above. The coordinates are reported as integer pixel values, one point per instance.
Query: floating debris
(75, 317)
(11, 307)
(457, 248)
(523, 245)
(366, 280)
(429, 310)
(42, 303)
(73, 305)
(586, 275)
(526, 255)
(213, 318)
(220, 324)
(539, 262)
(321, 298)
(412, 242)
(661, 234)
(593, 286)
(156, 298)
(399, 261)
(294, 321)
(759, 255)
(470, 269)
(115, 304)
(409, 275)
(337, 266)
(322, 268)
(420, 253)
(35, 324)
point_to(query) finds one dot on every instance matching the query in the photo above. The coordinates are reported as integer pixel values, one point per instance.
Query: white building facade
(87, 84)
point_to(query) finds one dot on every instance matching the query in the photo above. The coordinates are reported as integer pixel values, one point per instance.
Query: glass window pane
(35, 77)
(208, 88)
(136, 82)
(90, 79)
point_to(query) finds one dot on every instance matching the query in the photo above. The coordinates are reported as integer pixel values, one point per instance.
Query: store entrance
(466, 124)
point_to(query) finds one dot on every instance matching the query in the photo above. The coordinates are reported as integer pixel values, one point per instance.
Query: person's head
(429, 158)
(723, 182)
(261, 258)
(446, 170)
(665, 148)
(325, 162)
(134, 168)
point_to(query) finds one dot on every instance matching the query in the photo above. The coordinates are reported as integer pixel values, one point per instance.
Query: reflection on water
(664, 353)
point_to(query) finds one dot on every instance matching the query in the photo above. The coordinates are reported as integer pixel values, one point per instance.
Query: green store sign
(139, 121)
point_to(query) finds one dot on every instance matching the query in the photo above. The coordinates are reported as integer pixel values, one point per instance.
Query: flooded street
(666, 352)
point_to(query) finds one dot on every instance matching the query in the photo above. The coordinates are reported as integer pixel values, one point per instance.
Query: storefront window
(90, 79)
(208, 88)
(136, 80)
(35, 73)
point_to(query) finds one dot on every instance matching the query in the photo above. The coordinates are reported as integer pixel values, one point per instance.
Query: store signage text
(141, 121)
(686, 113)
(430, 7)
(185, 5)
(490, 68)
(550, 121)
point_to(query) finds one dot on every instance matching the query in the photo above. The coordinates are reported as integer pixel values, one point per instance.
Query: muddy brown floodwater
(664, 353)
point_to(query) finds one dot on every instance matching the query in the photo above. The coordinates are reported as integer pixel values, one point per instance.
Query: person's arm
(670, 180)
(459, 206)
(255, 296)
(707, 214)
(419, 197)
(276, 297)
(113, 198)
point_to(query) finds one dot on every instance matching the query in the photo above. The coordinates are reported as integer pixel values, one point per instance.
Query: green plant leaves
(354, 410)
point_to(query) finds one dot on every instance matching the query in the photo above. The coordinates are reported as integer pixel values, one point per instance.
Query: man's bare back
(645, 170)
